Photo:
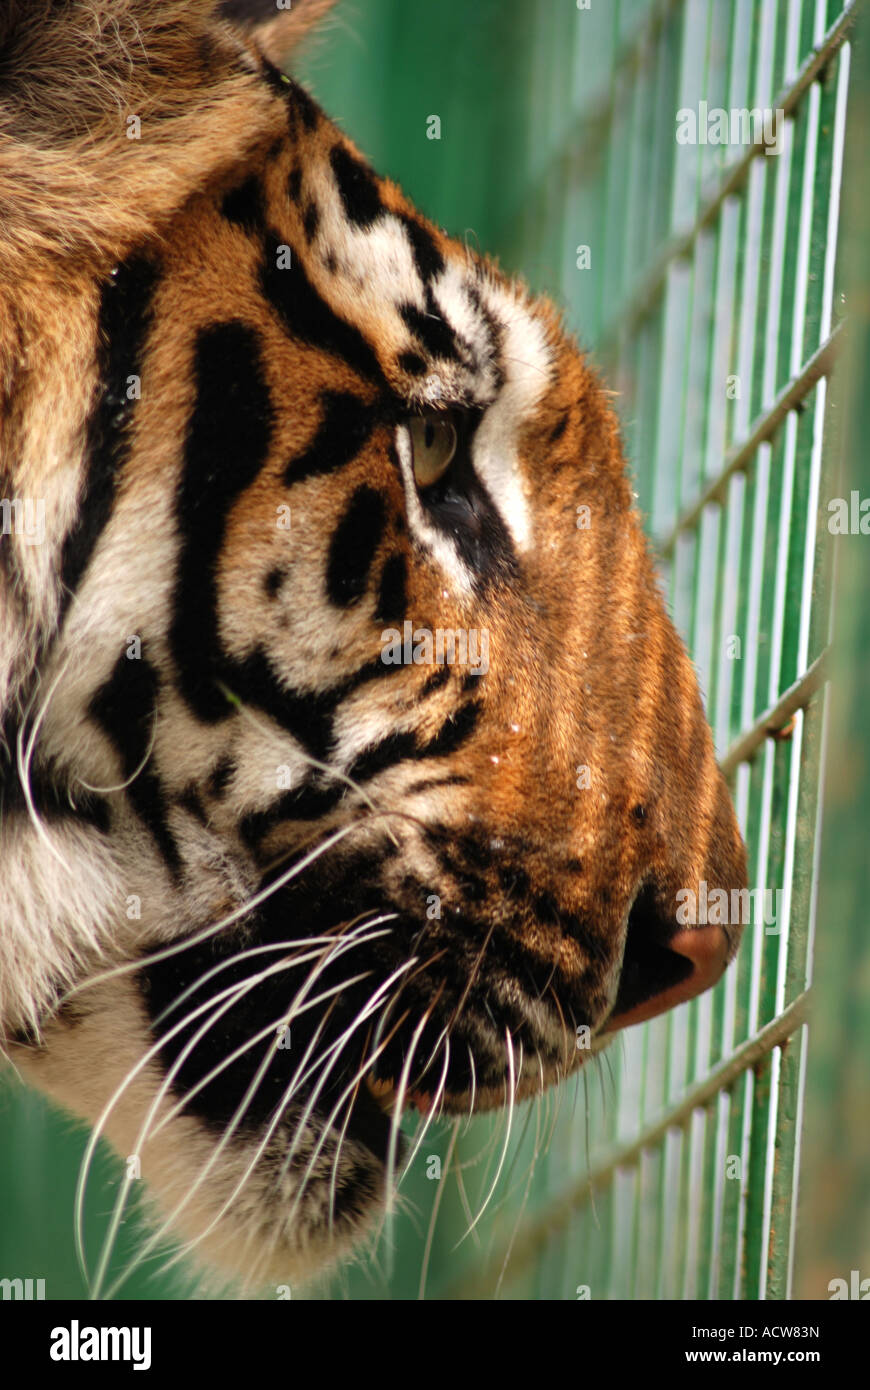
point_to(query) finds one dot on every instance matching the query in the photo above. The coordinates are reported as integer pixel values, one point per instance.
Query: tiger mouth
(485, 1098)
(386, 1093)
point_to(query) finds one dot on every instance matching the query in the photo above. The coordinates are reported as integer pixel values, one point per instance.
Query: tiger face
(352, 763)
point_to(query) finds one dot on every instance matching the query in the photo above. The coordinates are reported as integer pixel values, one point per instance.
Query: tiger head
(351, 762)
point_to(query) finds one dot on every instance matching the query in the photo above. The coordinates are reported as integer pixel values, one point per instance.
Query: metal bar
(681, 243)
(590, 127)
(668, 1222)
(741, 455)
(773, 720)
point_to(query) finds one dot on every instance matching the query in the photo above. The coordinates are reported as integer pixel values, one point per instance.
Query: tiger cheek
(350, 762)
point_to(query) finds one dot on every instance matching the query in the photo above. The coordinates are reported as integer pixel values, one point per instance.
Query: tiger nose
(659, 976)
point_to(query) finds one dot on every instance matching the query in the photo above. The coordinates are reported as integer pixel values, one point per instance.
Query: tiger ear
(276, 26)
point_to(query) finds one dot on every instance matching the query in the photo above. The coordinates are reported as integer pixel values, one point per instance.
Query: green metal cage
(707, 281)
(703, 277)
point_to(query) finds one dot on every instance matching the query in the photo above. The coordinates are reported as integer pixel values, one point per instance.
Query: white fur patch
(527, 365)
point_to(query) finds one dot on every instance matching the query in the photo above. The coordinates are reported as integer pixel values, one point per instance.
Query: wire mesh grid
(703, 279)
(703, 276)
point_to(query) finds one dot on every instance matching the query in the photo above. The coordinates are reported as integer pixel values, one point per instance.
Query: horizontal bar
(589, 126)
(599, 109)
(681, 243)
(740, 456)
(556, 1215)
(777, 716)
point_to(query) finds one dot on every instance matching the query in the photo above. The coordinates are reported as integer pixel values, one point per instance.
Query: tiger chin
(264, 890)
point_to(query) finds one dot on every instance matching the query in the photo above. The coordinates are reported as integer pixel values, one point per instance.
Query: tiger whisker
(510, 1116)
(159, 1234)
(333, 1176)
(538, 1148)
(297, 1079)
(24, 758)
(307, 758)
(237, 913)
(365, 1067)
(239, 1051)
(128, 781)
(396, 1117)
(371, 1056)
(436, 1205)
(352, 1087)
(335, 1048)
(472, 976)
(235, 994)
(431, 1113)
(555, 998)
(421, 966)
(473, 1091)
(459, 1175)
(296, 959)
(507, 1189)
(280, 1111)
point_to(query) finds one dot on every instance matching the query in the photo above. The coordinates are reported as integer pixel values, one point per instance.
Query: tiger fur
(262, 889)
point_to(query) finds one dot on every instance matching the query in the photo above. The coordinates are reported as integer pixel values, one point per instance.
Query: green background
(707, 266)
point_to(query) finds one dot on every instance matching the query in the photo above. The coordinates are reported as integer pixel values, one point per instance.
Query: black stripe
(457, 779)
(396, 748)
(221, 776)
(124, 318)
(189, 801)
(412, 363)
(124, 708)
(514, 880)
(559, 428)
(292, 913)
(453, 732)
(311, 221)
(244, 205)
(343, 431)
(357, 187)
(308, 318)
(273, 581)
(303, 106)
(430, 327)
(312, 726)
(392, 591)
(400, 747)
(273, 76)
(307, 715)
(353, 546)
(435, 681)
(49, 796)
(430, 262)
(300, 804)
(227, 444)
(477, 852)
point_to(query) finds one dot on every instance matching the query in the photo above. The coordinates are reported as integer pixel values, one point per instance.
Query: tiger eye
(433, 442)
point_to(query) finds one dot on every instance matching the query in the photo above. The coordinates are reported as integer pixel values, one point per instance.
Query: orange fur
(125, 261)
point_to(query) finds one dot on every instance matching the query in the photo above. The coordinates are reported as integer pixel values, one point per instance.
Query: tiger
(351, 764)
